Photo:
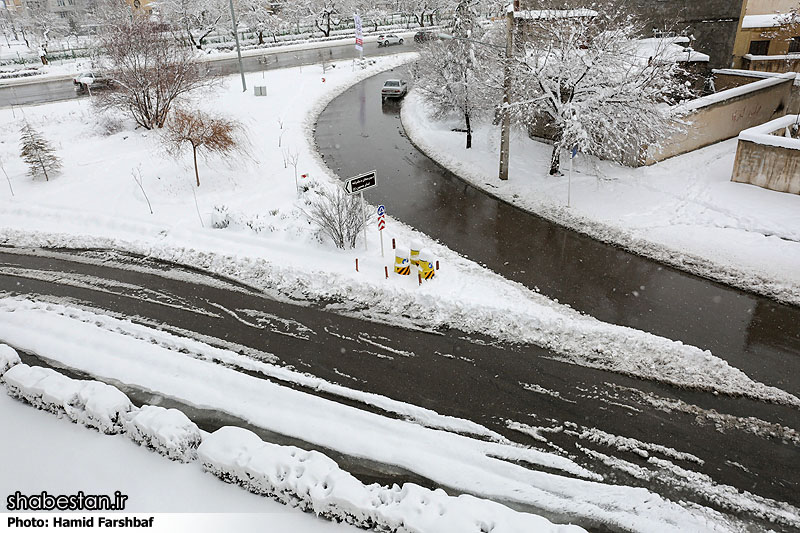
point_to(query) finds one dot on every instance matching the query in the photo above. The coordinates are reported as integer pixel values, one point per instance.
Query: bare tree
(38, 153)
(38, 25)
(9, 179)
(327, 14)
(202, 132)
(293, 157)
(150, 70)
(423, 10)
(338, 215)
(195, 19)
(260, 17)
(137, 177)
(585, 79)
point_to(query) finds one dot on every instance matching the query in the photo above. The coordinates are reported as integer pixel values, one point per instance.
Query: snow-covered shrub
(99, 406)
(92, 403)
(44, 388)
(315, 483)
(8, 358)
(220, 217)
(167, 431)
(109, 123)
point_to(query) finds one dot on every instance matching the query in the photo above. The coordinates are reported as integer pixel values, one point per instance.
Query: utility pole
(238, 49)
(505, 123)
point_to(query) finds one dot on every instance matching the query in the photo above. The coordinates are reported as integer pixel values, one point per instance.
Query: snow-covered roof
(536, 14)
(674, 49)
(771, 20)
(763, 134)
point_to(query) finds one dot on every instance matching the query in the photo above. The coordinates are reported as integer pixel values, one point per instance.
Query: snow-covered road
(624, 429)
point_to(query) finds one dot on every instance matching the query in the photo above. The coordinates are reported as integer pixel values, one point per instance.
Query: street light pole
(505, 122)
(238, 49)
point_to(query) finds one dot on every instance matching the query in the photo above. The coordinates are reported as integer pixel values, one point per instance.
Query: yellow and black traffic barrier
(415, 248)
(426, 268)
(402, 266)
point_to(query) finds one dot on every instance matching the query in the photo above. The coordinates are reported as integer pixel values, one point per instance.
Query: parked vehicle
(394, 89)
(389, 38)
(91, 80)
(424, 36)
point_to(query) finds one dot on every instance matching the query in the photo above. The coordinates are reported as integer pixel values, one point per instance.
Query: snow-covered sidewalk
(246, 221)
(684, 211)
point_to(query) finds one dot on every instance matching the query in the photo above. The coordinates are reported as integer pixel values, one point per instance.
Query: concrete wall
(730, 78)
(766, 7)
(717, 118)
(772, 167)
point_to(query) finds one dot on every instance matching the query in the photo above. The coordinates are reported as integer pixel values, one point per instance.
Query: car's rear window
(392, 84)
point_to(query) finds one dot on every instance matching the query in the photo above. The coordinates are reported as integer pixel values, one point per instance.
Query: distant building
(711, 25)
(768, 38)
(12, 5)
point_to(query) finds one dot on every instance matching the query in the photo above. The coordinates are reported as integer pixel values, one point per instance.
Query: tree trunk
(555, 160)
(44, 169)
(260, 37)
(196, 174)
(469, 130)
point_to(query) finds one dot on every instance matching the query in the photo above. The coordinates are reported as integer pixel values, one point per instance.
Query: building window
(62, 3)
(794, 45)
(63, 14)
(759, 48)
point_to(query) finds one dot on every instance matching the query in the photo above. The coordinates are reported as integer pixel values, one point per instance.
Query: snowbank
(8, 358)
(91, 403)
(167, 431)
(314, 482)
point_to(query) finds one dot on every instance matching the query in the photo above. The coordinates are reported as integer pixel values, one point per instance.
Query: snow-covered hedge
(314, 482)
(100, 406)
(90, 403)
(8, 358)
(167, 431)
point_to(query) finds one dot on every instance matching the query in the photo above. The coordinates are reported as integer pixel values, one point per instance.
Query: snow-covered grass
(684, 211)
(269, 243)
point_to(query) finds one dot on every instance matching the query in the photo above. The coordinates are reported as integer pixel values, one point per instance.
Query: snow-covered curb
(746, 279)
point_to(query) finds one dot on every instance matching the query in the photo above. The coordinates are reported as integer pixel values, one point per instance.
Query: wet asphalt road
(50, 91)
(488, 383)
(357, 133)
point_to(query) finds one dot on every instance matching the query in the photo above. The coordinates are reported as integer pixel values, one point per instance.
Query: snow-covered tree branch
(587, 79)
(453, 74)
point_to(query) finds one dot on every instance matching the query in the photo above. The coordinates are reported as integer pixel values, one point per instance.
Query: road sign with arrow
(361, 182)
